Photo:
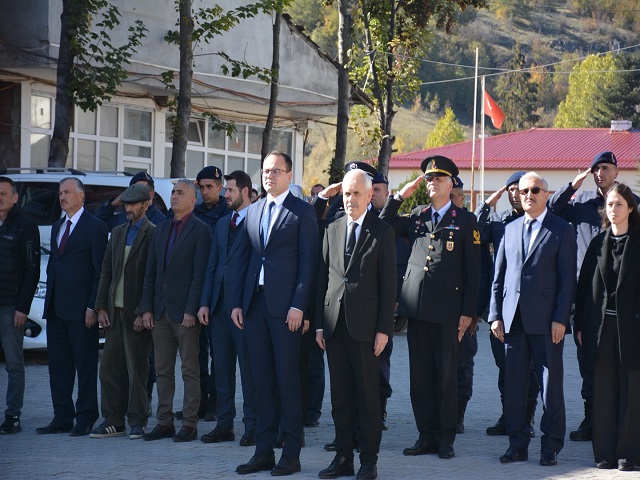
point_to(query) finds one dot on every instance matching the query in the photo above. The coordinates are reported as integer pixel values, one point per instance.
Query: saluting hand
(577, 182)
(410, 188)
(495, 196)
(331, 191)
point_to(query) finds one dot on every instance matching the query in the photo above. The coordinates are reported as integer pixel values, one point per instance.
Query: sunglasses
(533, 190)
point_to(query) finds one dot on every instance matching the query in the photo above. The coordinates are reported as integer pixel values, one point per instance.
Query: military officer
(439, 296)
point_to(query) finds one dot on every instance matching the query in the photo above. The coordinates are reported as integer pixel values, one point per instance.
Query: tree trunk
(59, 147)
(267, 142)
(183, 113)
(345, 32)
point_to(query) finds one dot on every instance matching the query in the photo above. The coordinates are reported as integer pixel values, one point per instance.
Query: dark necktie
(65, 237)
(351, 244)
(173, 234)
(527, 237)
(233, 224)
(435, 220)
(266, 223)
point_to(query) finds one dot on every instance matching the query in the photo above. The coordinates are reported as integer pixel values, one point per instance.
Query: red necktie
(65, 237)
(233, 224)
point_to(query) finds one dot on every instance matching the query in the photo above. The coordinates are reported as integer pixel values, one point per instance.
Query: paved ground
(31, 456)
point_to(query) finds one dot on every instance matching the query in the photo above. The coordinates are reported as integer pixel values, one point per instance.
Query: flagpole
(473, 143)
(482, 144)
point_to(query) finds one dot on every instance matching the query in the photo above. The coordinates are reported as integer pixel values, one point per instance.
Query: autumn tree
(90, 67)
(447, 130)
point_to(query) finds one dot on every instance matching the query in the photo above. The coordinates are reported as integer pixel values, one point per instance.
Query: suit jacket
(591, 298)
(177, 287)
(442, 280)
(113, 266)
(223, 270)
(289, 258)
(365, 287)
(73, 277)
(543, 284)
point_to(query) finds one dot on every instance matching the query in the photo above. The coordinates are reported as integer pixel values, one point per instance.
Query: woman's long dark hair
(625, 192)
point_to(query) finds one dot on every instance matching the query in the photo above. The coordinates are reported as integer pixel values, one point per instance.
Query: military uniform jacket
(442, 280)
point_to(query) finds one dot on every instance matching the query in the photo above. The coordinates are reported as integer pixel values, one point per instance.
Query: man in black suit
(228, 343)
(169, 305)
(354, 312)
(282, 233)
(439, 296)
(78, 242)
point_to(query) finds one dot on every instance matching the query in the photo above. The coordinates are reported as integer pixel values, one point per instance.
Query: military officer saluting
(439, 296)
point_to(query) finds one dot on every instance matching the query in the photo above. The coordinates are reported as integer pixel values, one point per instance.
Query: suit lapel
(362, 238)
(77, 231)
(254, 222)
(542, 234)
(282, 214)
(340, 240)
(181, 236)
(55, 229)
(139, 237)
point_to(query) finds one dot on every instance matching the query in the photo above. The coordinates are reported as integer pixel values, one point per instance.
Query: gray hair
(536, 176)
(357, 173)
(190, 184)
(76, 180)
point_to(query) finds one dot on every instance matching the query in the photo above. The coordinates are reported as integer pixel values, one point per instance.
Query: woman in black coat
(607, 324)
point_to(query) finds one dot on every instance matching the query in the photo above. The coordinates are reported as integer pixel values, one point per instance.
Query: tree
(273, 97)
(587, 102)
(518, 95)
(395, 38)
(90, 68)
(447, 130)
(204, 25)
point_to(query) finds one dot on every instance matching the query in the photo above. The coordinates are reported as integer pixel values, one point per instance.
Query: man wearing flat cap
(582, 211)
(492, 227)
(439, 296)
(107, 211)
(124, 370)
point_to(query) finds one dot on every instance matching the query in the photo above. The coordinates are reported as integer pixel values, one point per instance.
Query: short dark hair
(625, 192)
(10, 182)
(287, 158)
(242, 180)
(76, 180)
(318, 185)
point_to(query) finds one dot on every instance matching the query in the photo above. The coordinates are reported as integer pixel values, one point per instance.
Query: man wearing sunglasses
(535, 277)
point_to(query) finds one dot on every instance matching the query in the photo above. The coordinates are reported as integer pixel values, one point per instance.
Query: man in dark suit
(228, 343)
(78, 242)
(533, 288)
(439, 296)
(354, 315)
(170, 301)
(282, 233)
(124, 370)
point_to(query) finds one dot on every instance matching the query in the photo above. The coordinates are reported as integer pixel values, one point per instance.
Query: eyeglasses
(276, 171)
(533, 190)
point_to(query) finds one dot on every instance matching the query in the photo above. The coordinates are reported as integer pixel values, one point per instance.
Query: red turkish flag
(492, 110)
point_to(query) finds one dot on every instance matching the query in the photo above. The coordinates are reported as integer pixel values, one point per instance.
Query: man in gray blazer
(170, 301)
(354, 315)
(124, 370)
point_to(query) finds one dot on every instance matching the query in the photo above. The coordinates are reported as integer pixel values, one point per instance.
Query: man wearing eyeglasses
(439, 296)
(535, 277)
(282, 233)
(492, 227)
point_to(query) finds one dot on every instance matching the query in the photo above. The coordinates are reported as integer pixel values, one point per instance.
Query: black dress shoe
(605, 465)
(445, 451)
(548, 458)
(341, 466)
(583, 433)
(286, 466)
(625, 466)
(500, 428)
(80, 430)
(54, 427)
(160, 431)
(257, 463)
(368, 471)
(331, 446)
(186, 434)
(514, 455)
(279, 441)
(248, 439)
(219, 434)
(421, 448)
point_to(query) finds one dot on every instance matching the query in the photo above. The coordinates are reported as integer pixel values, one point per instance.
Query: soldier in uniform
(439, 296)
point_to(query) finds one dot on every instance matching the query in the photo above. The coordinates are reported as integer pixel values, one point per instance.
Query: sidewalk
(31, 456)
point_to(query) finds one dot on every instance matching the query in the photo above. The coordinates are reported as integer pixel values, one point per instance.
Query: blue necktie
(435, 220)
(266, 222)
(527, 237)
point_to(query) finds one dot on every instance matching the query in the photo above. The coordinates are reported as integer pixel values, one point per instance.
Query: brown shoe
(160, 431)
(186, 434)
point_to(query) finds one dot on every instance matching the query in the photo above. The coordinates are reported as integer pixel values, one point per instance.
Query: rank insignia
(454, 213)
(476, 237)
(450, 246)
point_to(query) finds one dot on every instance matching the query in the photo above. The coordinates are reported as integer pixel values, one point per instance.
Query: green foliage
(447, 130)
(99, 67)
(420, 197)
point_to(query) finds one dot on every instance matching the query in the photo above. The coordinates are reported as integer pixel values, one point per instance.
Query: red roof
(536, 149)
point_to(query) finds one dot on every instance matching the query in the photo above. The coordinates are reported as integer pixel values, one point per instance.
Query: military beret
(380, 178)
(141, 177)
(604, 157)
(457, 183)
(372, 172)
(515, 178)
(209, 173)
(135, 193)
(439, 166)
